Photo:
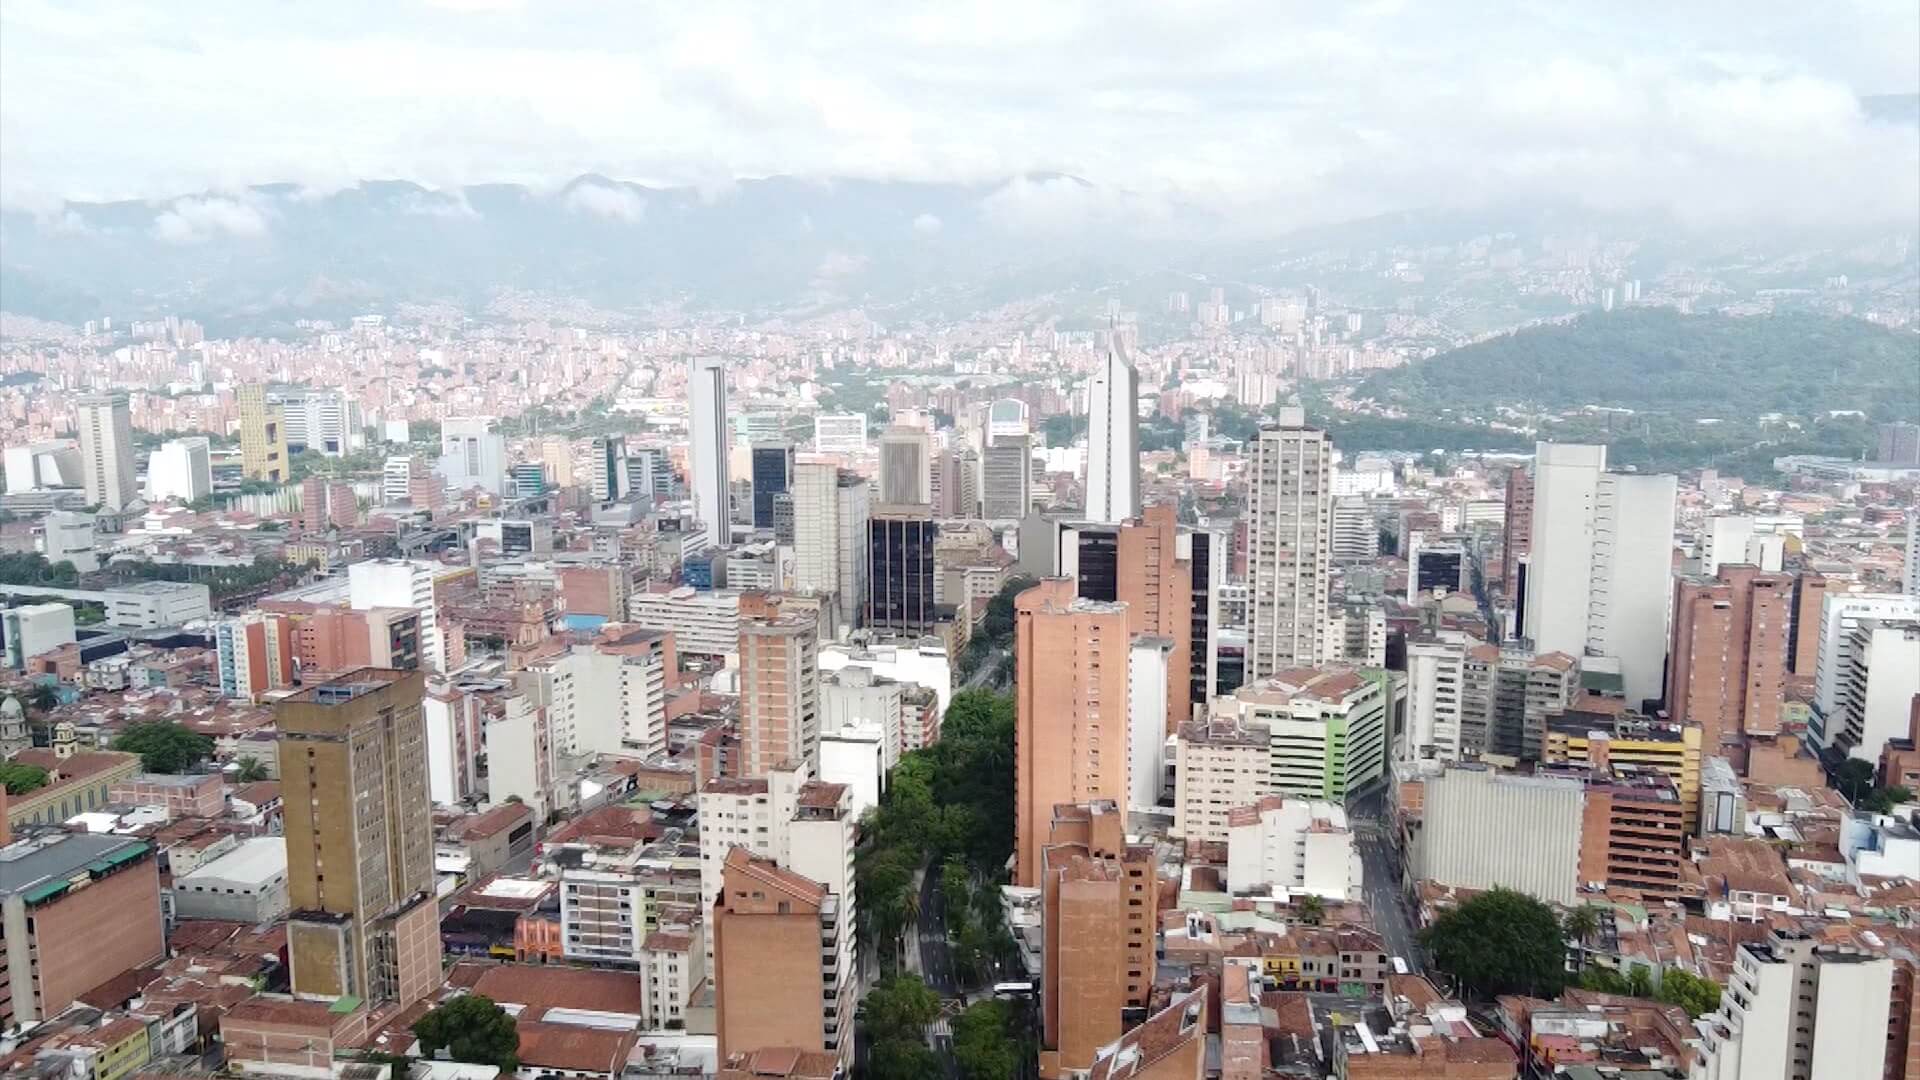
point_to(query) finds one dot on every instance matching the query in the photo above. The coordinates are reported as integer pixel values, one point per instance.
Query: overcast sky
(1720, 111)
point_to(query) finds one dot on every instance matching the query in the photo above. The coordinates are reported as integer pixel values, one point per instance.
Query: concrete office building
(47, 465)
(707, 453)
(1289, 543)
(1798, 1010)
(857, 697)
(106, 450)
(263, 437)
(360, 877)
(1113, 439)
(1070, 742)
(1599, 564)
(1881, 678)
(34, 629)
(1292, 847)
(1206, 571)
(1727, 664)
(1507, 695)
(611, 479)
(1482, 829)
(1356, 634)
(840, 433)
(1841, 615)
(1353, 535)
(832, 509)
(1327, 729)
(900, 570)
(180, 469)
(472, 455)
(68, 536)
(1099, 916)
(906, 464)
(402, 583)
(77, 909)
(703, 622)
(608, 697)
(323, 422)
(772, 475)
(1006, 485)
(1436, 684)
(1220, 764)
(246, 885)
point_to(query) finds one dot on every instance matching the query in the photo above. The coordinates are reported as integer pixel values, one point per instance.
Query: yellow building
(1630, 739)
(119, 1048)
(77, 781)
(263, 437)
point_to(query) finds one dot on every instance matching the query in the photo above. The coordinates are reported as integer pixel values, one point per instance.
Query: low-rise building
(78, 909)
(1288, 847)
(1219, 764)
(247, 885)
(202, 795)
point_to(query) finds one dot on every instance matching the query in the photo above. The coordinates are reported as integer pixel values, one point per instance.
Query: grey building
(248, 884)
(1482, 829)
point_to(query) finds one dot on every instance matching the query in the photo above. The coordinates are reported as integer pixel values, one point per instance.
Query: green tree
(471, 1028)
(1640, 981)
(1689, 991)
(955, 894)
(1311, 909)
(19, 779)
(251, 769)
(896, 1014)
(164, 746)
(983, 1044)
(1500, 942)
(1854, 779)
(1883, 800)
(899, 1059)
(1603, 981)
(43, 698)
(1580, 925)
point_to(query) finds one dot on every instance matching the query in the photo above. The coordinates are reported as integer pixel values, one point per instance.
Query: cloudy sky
(1720, 111)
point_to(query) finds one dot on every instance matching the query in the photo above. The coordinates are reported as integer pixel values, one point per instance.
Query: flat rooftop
(27, 864)
(347, 687)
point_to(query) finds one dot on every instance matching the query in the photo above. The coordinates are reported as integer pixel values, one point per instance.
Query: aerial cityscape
(1369, 545)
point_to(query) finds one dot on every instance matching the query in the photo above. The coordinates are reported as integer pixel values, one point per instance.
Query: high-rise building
(1834, 675)
(780, 983)
(831, 546)
(472, 455)
(1071, 700)
(900, 570)
(1809, 596)
(556, 455)
(1327, 728)
(1507, 695)
(365, 922)
(1113, 439)
(1796, 1009)
(1727, 665)
(1156, 584)
(1220, 764)
(1600, 564)
(1880, 681)
(707, 453)
(319, 421)
(610, 477)
(255, 654)
(840, 433)
(906, 466)
(1516, 530)
(400, 583)
(1484, 829)
(772, 475)
(54, 463)
(1289, 546)
(106, 450)
(779, 692)
(1633, 834)
(1099, 915)
(263, 436)
(1006, 486)
(180, 469)
(1206, 571)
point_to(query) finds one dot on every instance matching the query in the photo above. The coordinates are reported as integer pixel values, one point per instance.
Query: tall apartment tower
(359, 831)
(1156, 584)
(831, 511)
(1516, 532)
(1098, 919)
(1289, 546)
(906, 466)
(707, 455)
(1113, 439)
(1798, 1010)
(780, 981)
(772, 475)
(1070, 707)
(106, 450)
(263, 436)
(1600, 563)
(1809, 596)
(900, 570)
(779, 693)
(1727, 663)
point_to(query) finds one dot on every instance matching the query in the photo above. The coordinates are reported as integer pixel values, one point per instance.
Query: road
(936, 955)
(985, 671)
(1380, 861)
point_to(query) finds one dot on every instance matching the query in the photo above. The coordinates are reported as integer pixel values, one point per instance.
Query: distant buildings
(708, 449)
(180, 469)
(106, 450)
(1113, 439)
(263, 437)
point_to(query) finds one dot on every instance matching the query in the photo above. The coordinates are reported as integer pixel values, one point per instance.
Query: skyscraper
(830, 542)
(263, 436)
(779, 692)
(900, 570)
(359, 832)
(106, 450)
(1728, 660)
(1113, 439)
(1516, 530)
(1289, 546)
(1007, 487)
(707, 455)
(610, 475)
(772, 474)
(1070, 711)
(1156, 584)
(906, 463)
(1600, 563)
(472, 455)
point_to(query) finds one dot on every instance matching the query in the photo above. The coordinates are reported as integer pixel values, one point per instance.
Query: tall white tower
(1290, 545)
(707, 456)
(106, 449)
(1113, 440)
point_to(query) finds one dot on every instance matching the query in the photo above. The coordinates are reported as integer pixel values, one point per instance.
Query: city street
(1380, 861)
(936, 955)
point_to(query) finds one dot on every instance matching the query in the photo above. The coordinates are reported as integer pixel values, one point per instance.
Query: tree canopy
(984, 1045)
(895, 1016)
(471, 1028)
(1500, 942)
(164, 746)
(19, 779)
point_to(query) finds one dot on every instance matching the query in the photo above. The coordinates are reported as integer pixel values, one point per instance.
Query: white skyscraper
(471, 455)
(180, 469)
(707, 455)
(106, 450)
(1600, 567)
(1113, 440)
(1290, 546)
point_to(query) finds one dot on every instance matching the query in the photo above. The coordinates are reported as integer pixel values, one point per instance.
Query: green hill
(1657, 361)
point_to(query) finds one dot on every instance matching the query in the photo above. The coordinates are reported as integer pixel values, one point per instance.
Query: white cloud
(192, 220)
(451, 204)
(926, 224)
(621, 204)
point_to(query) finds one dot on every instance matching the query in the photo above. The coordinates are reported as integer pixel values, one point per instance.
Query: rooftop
(36, 866)
(255, 861)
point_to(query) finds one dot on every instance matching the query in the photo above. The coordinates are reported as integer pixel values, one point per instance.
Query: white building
(401, 583)
(831, 510)
(1292, 847)
(1876, 699)
(520, 755)
(106, 450)
(67, 536)
(857, 697)
(246, 885)
(840, 433)
(1328, 729)
(924, 663)
(1600, 565)
(454, 722)
(472, 455)
(707, 453)
(606, 700)
(1113, 440)
(321, 421)
(1482, 830)
(1219, 764)
(54, 463)
(1794, 1009)
(706, 623)
(1149, 670)
(34, 629)
(1436, 674)
(853, 756)
(180, 469)
(1840, 615)
(1290, 546)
